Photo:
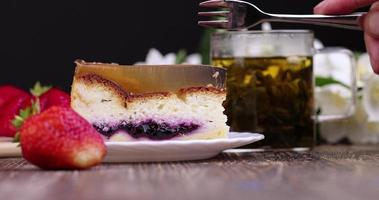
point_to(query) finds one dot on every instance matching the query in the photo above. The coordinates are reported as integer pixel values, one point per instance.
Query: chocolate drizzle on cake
(149, 129)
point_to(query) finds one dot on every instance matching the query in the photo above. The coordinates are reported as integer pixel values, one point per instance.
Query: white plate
(152, 151)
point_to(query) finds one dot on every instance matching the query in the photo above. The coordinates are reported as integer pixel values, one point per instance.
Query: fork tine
(214, 3)
(214, 24)
(214, 14)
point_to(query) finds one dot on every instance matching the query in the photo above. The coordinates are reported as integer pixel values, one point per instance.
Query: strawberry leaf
(21, 117)
(39, 89)
(35, 107)
(24, 113)
(16, 137)
(27, 112)
(17, 121)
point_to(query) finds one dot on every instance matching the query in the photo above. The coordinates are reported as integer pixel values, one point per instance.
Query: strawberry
(54, 97)
(8, 92)
(43, 98)
(59, 138)
(9, 110)
(14, 105)
(48, 96)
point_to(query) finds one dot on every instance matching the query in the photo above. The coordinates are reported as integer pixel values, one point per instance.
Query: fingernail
(319, 7)
(373, 24)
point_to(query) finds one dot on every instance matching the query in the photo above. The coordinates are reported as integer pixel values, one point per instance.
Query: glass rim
(269, 32)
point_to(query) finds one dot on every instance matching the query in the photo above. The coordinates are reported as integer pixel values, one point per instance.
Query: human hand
(369, 23)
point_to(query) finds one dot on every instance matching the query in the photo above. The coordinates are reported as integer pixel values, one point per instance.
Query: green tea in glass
(270, 85)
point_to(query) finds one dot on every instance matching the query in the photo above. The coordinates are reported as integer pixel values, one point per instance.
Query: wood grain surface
(328, 172)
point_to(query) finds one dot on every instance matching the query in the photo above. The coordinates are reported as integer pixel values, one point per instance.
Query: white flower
(371, 97)
(367, 134)
(193, 59)
(359, 130)
(356, 128)
(266, 26)
(364, 69)
(154, 57)
(317, 44)
(333, 99)
(334, 131)
(363, 126)
(335, 65)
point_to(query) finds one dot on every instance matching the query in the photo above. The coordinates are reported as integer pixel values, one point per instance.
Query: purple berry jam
(148, 129)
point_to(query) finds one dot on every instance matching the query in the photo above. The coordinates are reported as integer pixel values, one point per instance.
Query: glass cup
(270, 84)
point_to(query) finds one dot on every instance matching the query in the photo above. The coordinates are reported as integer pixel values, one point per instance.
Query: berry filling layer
(148, 129)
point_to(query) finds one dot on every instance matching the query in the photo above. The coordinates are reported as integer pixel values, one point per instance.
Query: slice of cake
(124, 103)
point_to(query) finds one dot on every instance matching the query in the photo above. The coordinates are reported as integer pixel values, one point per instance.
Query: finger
(372, 45)
(340, 6)
(371, 21)
(371, 28)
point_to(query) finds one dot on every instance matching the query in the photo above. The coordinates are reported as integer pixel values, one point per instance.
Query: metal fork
(238, 15)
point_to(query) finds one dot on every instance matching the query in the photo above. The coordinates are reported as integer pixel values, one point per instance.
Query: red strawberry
(54, 97)
(59, 138)
(8, 92)
(9, 110)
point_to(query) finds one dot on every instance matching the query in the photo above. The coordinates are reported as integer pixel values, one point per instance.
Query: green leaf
(357, 54)
(23, 115)
(17, 121)
(35, 107)
(322, 81)
(204, 47)
(39, 89)
(16, 137)
(181, 56)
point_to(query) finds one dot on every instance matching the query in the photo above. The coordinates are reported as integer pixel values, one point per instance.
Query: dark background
(39, 40)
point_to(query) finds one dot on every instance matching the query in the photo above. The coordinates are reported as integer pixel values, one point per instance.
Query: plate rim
(252, 136)
(161, 151)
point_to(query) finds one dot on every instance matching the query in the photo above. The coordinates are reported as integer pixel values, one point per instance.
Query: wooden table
(328, 172)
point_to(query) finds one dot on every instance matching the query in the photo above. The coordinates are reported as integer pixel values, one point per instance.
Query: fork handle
(349, 21)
